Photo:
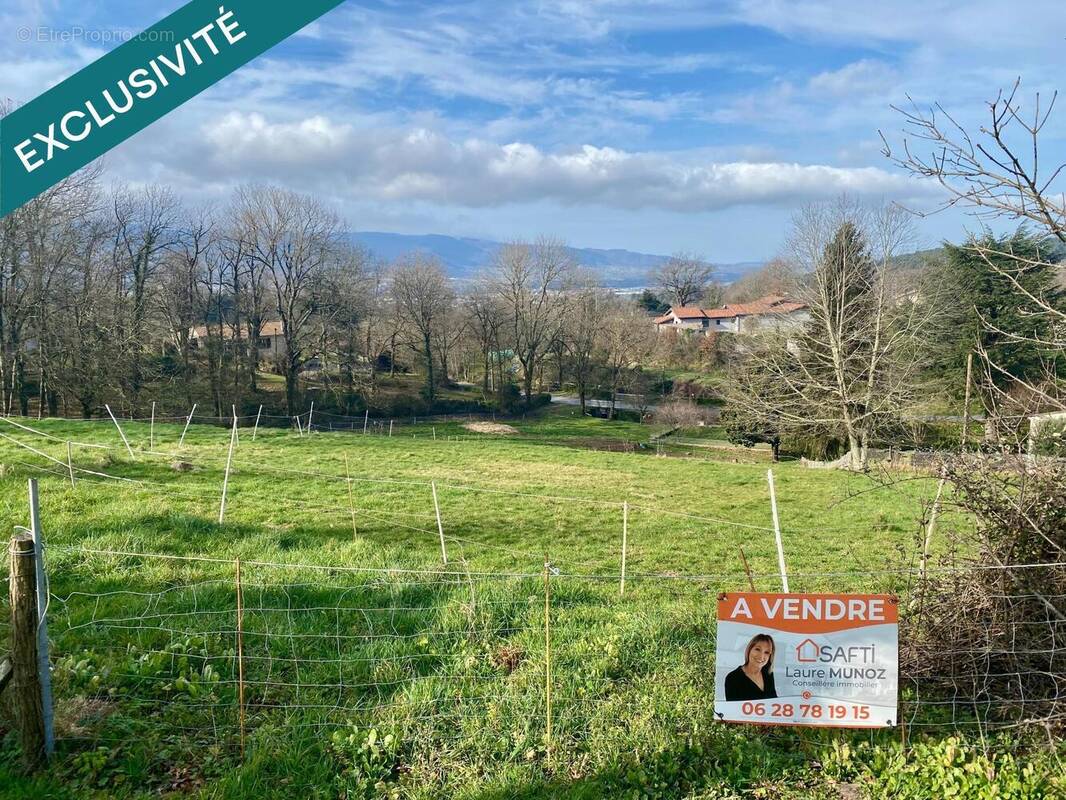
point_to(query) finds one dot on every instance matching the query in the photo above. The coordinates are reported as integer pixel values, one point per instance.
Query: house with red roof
(735, 317)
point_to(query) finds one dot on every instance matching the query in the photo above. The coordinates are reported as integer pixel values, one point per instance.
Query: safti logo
(856, 661)
(807, 651)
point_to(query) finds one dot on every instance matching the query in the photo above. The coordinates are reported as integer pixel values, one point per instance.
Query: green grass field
(373, 669)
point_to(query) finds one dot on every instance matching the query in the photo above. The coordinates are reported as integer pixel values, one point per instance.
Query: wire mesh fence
(423, 654)
(484, 657)
(513, 665)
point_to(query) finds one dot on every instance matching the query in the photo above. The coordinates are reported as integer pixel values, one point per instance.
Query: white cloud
(864, 76)
(422, 165)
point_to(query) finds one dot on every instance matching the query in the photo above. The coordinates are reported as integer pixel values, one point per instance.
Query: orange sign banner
(808, 613)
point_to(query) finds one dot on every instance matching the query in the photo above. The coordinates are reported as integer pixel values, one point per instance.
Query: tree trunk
(527, 384)
(854, 450)
(430, 386)
(20, 384)
(291, 378)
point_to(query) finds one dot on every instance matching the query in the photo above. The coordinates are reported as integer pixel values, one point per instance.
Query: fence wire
(461, 658)
(426, 654)
(449, 658)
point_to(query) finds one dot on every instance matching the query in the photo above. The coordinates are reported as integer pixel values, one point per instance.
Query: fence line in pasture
(257, 466)
(407, 516)
(421, 653)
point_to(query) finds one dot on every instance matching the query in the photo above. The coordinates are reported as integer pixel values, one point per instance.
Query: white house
(735, 317)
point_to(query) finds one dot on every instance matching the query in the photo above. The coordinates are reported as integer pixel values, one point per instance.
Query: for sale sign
(807, 659)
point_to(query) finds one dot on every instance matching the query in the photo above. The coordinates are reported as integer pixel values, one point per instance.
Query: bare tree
(180, 297)
(486, 320)
(529, 281)
(67, 304)
(424, 297)
(581, 337)
(447, 338)
(849, 371)
(996, 172)
(293, 237)
(684, 279)
(625, 341)
(776, 277)
(342, 311)
(38, 243)
(381, 323)
(146, 227)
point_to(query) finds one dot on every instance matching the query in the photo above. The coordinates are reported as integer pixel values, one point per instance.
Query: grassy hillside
(372, 669)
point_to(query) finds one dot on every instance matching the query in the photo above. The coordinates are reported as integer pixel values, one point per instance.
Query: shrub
(989, 633)
(681, 413)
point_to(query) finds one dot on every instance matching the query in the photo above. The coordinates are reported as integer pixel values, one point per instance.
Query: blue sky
(661, 125)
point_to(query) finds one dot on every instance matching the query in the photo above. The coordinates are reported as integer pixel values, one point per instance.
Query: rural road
(623, 405)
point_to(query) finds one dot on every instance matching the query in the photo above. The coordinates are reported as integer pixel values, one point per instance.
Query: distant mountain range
(464, 257)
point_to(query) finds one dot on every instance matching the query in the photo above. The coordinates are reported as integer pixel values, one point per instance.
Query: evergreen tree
(979, 287)
(845, 277)
(651, 303)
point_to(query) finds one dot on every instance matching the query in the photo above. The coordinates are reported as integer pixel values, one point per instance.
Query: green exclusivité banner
(77, 121)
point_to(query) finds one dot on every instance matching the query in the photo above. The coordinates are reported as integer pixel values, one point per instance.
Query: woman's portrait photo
(754, 679)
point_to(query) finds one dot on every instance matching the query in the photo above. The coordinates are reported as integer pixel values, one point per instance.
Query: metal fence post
(547, 659)
(440, 525)
(225, 479)
(777, 531)
(44, 673)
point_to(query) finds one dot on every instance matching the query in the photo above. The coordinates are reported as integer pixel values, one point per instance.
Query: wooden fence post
(930, 527)
(26, 684)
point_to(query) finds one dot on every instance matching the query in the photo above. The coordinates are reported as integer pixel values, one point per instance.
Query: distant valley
(465, 257)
